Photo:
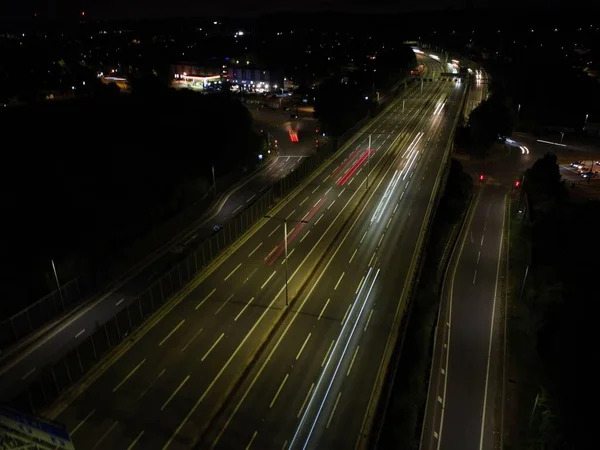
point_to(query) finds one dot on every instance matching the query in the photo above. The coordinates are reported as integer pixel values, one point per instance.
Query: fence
(61, 374)
(36, 315)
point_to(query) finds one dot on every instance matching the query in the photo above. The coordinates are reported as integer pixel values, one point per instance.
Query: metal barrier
(36, 315)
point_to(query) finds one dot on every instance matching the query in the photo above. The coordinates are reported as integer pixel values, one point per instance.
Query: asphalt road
(164, 389)
(314, 384)
(464, 402)
(19, 366)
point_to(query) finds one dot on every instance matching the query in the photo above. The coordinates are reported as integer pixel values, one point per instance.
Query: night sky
(185, 8)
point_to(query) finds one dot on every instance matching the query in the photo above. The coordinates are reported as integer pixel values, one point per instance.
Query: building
(251, 79)
(195, 76)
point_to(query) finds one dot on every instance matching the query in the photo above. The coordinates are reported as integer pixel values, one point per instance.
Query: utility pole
(58, 284)
(285, 262)
(214, 180)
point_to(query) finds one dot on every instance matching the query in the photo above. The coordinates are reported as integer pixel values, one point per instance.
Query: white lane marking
(250, 199)
(303, 345)
(331, 204)
(27, 374)
(474, 276)
(328, 351)
(372, 257)
(352, 361)
(478, 256)
(274, 230)
(99, 441)
(304, 237)
(84, 420)
(323, 310)
(243, 309)
(363, 237)
(160, 374)
(352, 257)
(380, 239)
(359, 285)
(212, 347)
(80, 333)
(233, 271)
(289, 254)
(174, 393)
(129, 375)
(368, 319)
(287, 375)
(257, 247)
(350, 182)
(290, 214)
(327, 192)
(320, 217)
(205, 298)
(315, 190)
(171, 332)
(190, 341)
(136, 440)
(334, 408)
(252, 440)
(339, 195)
(312, 386)
(346, 313)
(223, 305)
(268, 279)
(120, 301)
(236, 209)
(338, 281)
(482, 236)
(304, 200)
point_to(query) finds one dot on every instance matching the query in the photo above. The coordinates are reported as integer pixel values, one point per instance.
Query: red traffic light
(480, 177)
(517, 183)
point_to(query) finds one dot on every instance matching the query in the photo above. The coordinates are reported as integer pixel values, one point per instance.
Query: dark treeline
(561, 300)
(84, 177)
(341, 100)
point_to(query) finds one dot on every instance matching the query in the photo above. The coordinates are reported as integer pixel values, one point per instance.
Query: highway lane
(16, 371)
(272, 401)
(462, 390)
(235, 339)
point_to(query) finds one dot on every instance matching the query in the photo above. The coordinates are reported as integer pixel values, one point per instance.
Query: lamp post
(214, 180)
(285, 261)
(58, 284)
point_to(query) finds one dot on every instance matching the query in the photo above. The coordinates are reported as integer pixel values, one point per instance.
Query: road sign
(34, 430)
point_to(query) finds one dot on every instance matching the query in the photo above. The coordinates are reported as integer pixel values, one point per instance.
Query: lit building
(194, 76)
(254, 80)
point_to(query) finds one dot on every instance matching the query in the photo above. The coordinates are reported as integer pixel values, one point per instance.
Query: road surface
(164, 389)
(19, 364)
(314, 384)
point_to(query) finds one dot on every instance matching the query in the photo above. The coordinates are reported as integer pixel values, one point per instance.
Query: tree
(339, 106)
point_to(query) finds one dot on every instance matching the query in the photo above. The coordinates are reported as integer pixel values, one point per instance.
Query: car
(217, 228)
(589, 174)
(294, 116)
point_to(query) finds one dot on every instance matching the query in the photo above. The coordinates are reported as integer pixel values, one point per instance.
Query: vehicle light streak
(349, 328)
(344, 162)
(394, 181)
(352, 170)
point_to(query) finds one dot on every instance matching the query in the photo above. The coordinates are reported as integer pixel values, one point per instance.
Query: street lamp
(285, 240)
(214, 180)
(58, 284)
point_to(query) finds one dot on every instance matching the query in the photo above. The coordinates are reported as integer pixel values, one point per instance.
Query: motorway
(164, 389)
(464, 404)
(162, 392)
(462, 396)
(18, 366)
(315, 384)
